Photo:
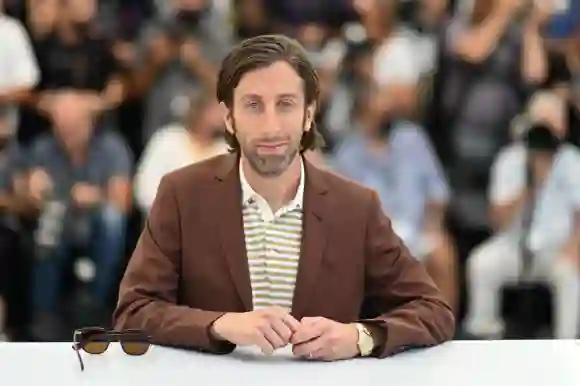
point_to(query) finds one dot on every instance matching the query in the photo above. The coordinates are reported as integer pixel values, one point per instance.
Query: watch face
(365, 341)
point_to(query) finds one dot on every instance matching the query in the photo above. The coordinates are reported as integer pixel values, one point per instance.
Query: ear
(227, 117)
(310, 116)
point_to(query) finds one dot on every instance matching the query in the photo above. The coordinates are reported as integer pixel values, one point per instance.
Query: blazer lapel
(229, 213)
(313, 238)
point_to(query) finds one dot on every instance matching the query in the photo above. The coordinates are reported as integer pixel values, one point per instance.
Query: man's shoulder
(44, 143)
(11, 25)
(568, 157)
(111, 141)
(198, 173)
(347, 190)
(514, 153)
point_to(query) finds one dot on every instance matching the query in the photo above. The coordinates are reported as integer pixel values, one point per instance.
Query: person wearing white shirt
(553, 230)
(176, 146)
(19, 71)
(398, 63)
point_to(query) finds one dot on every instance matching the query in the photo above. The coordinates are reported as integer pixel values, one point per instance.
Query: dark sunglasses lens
(96, 343)
(132, 347)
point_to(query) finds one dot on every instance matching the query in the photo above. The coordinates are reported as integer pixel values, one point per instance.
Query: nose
(271, 119)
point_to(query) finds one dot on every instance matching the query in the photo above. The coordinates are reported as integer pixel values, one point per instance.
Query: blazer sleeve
(149, 289)
(412, 311)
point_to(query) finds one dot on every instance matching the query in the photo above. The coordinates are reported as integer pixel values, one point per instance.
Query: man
(396, 158)
(198, 137)
(13, 204)
(260, 247)
(178, 56)
(80, 182)
(550, 198)
(76, 55)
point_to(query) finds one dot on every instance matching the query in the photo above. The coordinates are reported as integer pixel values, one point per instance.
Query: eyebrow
(279, 96)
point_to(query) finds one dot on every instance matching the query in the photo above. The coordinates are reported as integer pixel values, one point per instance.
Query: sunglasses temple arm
(80, 358)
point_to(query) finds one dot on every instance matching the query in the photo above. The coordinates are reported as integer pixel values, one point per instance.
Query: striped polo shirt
(273, 245)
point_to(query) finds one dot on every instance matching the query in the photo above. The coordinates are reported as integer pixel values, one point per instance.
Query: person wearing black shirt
(78, 56)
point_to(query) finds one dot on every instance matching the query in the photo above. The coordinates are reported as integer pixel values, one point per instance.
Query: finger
(308, 331)
(261, 341)
(275, 313)
(309, 349)
(324, 353)
(272, 336)
(283, 331)
(291, 322)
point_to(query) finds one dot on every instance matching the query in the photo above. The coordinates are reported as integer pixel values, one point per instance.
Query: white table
(461, 363)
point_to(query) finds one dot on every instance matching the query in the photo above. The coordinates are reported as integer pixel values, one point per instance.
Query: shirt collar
(249, 194)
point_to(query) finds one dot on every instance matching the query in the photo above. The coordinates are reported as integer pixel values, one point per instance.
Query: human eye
(286, 104)
(252, 105)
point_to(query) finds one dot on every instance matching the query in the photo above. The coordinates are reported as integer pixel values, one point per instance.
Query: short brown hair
(260, 52)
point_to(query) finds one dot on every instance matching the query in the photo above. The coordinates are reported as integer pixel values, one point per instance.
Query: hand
(363, 7)
(541, 166)
(125, 53)
(162, 50)
(85, 195)
(542, 12)
(269, 329)
(324, 339)
(38, 184)
(190, 51)
(510, 7)
(571, 252)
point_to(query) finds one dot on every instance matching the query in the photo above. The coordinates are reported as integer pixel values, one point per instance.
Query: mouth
(272, 147)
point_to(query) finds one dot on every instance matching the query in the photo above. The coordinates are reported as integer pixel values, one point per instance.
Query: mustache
(271, 140)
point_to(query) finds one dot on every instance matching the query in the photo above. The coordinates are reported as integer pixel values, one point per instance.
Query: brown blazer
(190, 265)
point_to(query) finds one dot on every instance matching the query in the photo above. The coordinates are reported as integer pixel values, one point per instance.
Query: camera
(540, 137)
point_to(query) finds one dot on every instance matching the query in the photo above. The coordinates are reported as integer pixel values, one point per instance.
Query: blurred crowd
(462, 115)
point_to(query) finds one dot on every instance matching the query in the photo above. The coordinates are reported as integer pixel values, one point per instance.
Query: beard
(269, 165)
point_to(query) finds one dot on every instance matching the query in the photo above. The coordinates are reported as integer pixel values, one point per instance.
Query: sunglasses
(96, 340)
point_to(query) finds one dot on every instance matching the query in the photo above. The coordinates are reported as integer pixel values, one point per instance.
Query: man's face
(190, 5)
(72, 119)
(210, 120)
(269, 117)
(80, 11)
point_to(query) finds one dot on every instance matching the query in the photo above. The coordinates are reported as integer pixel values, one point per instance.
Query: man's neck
(277, 191)
(67, 33)
(77, 154)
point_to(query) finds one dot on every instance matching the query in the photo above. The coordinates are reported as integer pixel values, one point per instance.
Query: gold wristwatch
(365, 341)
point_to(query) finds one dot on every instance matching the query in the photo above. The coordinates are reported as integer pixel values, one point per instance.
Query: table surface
(458, 363)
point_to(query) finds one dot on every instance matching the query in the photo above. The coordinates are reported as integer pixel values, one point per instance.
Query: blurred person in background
(200, 137)
(326, 54)
(13, 205)
(353, 80)
(428, 20)
(76, 55)
(288, 15)
(573, 91)
(41, 17)
(396, 66)
(80, 182)
(177, 56)
(395, 158)
(535, 178)
(251, 18)
(19, 72)
(492, 57)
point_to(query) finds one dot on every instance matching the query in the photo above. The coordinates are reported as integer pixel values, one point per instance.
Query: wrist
(215, 329)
